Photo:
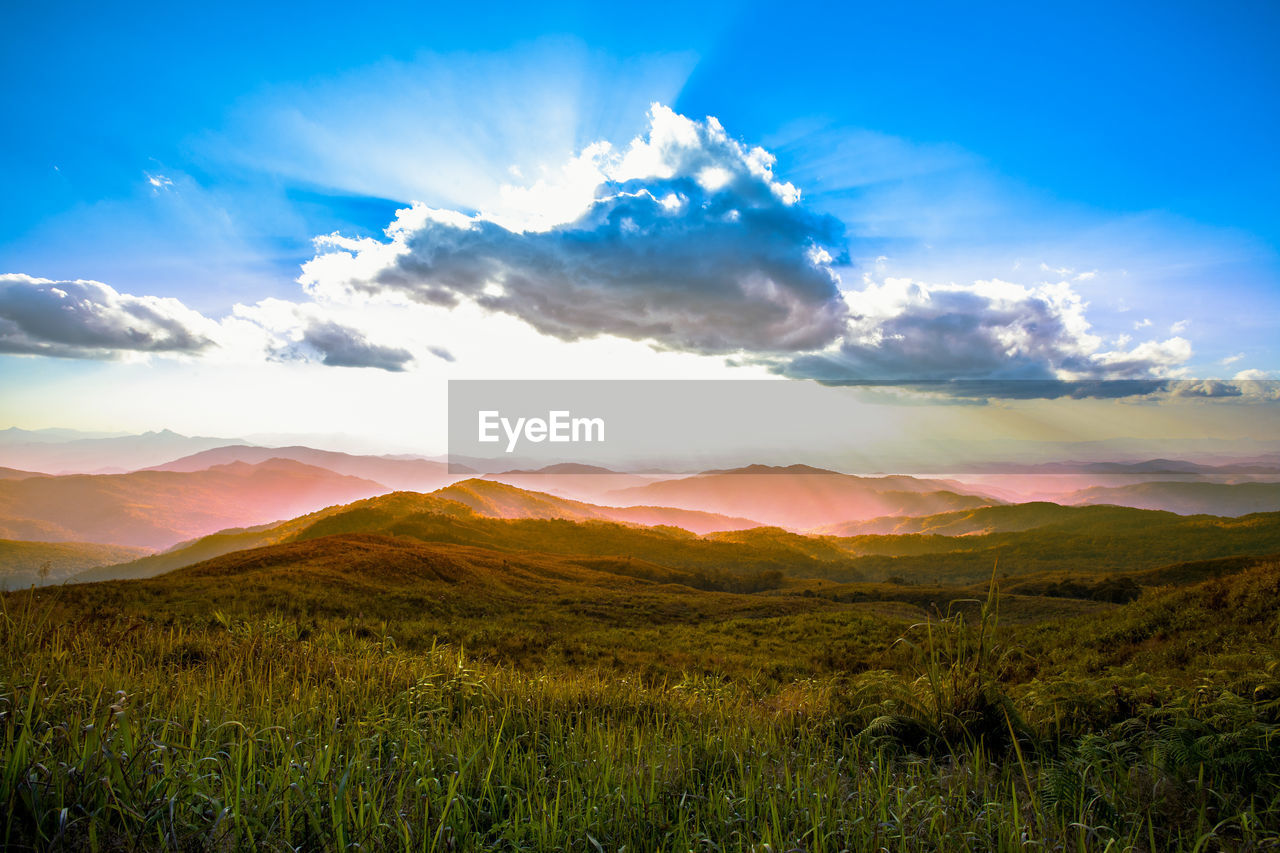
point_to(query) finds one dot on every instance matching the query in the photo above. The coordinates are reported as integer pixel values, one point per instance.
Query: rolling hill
(15, 474)
(397, 473)
(155, 509)
(1231, 499)
(24, 564)
(1009, 518)
(573, 480)
(799, 497)
(1032, 539)
(499, 500)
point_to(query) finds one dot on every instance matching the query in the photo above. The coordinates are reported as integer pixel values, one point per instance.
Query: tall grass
(267, 734)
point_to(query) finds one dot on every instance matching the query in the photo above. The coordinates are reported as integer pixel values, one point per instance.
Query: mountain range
(800, 497)
(156, 509)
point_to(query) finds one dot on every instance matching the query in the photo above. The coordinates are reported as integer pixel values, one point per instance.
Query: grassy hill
(499, 500)
(1231, 499)
(1033, 539)
(23, 564)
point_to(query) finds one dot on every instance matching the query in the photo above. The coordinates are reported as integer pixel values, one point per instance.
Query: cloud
(89, 319)
(684, 239)
(991, 330)
(1232, 359)
(1249, 385)
(340, 346)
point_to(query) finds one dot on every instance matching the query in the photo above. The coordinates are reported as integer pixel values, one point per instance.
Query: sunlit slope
(799, 497)
(500, 500)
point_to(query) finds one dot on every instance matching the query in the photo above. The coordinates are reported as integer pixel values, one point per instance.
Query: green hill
(23, 564)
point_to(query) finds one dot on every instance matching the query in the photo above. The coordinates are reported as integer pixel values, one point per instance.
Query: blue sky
(1116, 163)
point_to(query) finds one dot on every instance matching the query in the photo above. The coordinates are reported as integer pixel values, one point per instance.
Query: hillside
(1085, 541)
(573, 480)
(499, 500)
(1109, 541)
(156, 509)
(25, 564)
(418, 475)
(1009, 518)
(15, 474)
(1230, 499)
(799, 497)
(661, 551)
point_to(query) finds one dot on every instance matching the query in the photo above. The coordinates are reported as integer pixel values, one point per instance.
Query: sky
(269, 219)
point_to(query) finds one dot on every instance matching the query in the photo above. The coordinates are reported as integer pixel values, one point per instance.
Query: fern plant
(953, 697)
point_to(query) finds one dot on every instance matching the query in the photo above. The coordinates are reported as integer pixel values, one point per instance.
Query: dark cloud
(982, 390)
(88, 319)
(339, 346)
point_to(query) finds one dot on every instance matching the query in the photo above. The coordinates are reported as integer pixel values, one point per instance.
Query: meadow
(366, 691)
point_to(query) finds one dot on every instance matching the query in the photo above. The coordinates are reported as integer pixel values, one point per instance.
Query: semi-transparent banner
(1119, 428)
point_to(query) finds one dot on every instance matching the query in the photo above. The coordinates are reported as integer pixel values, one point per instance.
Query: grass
(363, 693)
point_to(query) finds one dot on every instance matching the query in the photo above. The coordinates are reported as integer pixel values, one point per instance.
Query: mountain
(479, 498)
(570, 479)
(155, 509)
(398, 473)
(1232, 499)
(117, 454)
(499, 500)
(799, 497)
(447, 516)
(24, 564)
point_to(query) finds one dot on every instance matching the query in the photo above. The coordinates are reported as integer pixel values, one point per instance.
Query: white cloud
(906, 330)
(89, 319)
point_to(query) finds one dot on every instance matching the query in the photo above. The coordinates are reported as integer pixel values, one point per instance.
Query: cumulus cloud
(685, 239)
(992, 330)
(89, 319)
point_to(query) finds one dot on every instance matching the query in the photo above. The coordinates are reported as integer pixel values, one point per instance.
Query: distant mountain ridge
(800, 497)
(395, 472)
(156, 509)
(110, 455)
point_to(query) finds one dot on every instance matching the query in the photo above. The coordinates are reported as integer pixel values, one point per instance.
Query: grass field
(365, 691)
